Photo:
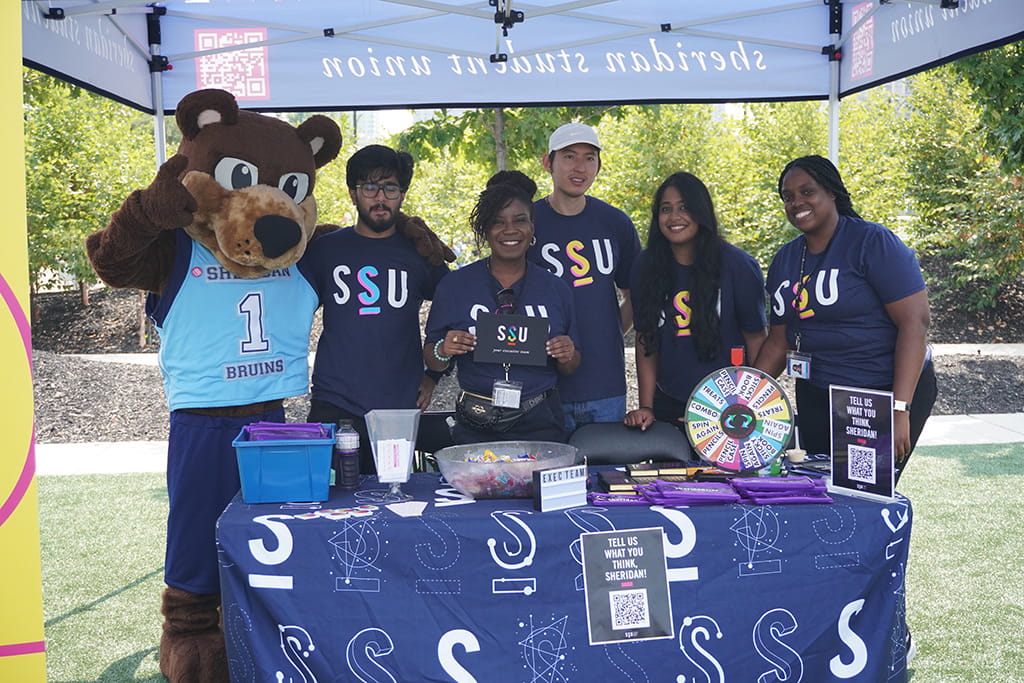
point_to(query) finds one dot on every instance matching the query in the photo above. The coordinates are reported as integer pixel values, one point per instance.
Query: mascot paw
(192, 645)
(167, 202)
(428, 244)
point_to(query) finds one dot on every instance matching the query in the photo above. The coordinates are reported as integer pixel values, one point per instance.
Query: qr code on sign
(861, 465)
(629, 609)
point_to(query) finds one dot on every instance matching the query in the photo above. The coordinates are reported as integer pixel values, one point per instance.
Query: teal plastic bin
(284, 470)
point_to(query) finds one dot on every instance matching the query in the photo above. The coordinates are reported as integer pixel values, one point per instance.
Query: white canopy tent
(293, 55)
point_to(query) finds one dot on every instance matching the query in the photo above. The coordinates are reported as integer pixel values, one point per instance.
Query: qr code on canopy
(244, 72)
(629, 609)
(861, 464)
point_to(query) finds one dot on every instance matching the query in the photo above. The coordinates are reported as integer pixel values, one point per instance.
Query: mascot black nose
(277, 234)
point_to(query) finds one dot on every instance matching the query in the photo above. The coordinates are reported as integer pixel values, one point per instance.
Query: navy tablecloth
(493, 591)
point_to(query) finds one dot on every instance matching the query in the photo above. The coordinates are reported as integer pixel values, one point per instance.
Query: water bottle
(346, 456)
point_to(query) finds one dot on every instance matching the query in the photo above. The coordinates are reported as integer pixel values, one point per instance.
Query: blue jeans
(579, 413)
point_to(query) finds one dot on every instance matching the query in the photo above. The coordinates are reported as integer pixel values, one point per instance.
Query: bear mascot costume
(214, 239)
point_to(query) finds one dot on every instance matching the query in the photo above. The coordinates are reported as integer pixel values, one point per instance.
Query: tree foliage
(996, 78)
(476, 134)
(967, 209)
(83, 155)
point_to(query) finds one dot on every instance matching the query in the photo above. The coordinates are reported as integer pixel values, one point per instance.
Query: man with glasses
(591, 245)
(371, 282)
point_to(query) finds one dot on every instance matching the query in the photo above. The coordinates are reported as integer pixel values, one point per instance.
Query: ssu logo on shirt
(601, 259)
(395, 288)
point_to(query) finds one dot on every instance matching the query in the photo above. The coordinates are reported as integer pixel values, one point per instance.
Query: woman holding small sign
(849, 307)
(509, 326)
(698, 302)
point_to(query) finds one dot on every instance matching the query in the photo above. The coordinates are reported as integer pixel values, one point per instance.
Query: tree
(873, 157)
(444, 190)
(996, 78)
(643, 146)
(83, 155)
(766, 136)
(969, 212)
(515, 137)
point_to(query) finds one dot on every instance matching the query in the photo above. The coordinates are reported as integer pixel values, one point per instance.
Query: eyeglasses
(506, 302)
(370, 190)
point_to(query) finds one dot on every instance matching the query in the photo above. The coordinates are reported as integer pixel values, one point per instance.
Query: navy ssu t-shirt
(369, 355)
(840, 313)
(471, 290)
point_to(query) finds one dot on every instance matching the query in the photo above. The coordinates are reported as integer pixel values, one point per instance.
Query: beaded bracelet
(437, 352)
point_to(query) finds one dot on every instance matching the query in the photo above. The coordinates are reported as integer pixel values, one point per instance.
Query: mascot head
(252, 177)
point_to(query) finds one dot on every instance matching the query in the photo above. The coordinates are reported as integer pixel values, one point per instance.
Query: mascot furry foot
(192, 644)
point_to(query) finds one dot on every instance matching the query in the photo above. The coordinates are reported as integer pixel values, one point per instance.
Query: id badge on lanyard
(798, 364)
(506, 393)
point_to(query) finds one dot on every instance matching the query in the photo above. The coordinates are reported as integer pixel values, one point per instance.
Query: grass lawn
(965, 582)
(103, 539)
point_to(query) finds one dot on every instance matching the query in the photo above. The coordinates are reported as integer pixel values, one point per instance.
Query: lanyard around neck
(801, 286)
(496, 287)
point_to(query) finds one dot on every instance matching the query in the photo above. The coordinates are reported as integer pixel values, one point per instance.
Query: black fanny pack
(479, 412)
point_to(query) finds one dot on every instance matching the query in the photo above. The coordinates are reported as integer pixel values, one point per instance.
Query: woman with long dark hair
(849, 306)
(698, 301)
(504, 282)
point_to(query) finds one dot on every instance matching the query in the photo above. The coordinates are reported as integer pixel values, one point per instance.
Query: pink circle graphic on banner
(13, 499)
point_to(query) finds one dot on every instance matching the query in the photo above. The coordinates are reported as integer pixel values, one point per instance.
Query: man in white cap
(591, 245)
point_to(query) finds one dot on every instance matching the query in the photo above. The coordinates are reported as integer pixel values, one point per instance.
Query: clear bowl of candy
(501, 469)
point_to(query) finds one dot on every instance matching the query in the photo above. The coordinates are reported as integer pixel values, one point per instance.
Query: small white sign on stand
(557, 488)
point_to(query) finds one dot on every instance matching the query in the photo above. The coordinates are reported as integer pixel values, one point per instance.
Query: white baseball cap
(570, 134)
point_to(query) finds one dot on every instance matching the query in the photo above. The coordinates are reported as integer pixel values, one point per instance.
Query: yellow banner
(21, 592)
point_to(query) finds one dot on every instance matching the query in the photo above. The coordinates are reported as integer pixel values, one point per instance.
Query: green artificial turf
(965, 584)
(103, 539)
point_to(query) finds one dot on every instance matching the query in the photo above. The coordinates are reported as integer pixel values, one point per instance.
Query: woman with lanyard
(698, 302)
(502, 401)
(848, 306)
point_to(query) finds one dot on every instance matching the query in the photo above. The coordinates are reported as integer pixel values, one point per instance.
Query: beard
(382, 225)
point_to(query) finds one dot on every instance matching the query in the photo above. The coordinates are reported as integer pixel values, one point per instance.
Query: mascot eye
(235, 174)
(295, 185)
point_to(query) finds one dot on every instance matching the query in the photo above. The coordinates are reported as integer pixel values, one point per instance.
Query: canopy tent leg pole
(834, 52)
(833, 113)
(157, 64)
(159, 131)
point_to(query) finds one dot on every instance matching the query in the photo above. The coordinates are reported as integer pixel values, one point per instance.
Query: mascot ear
(203, 107)
(323, 136)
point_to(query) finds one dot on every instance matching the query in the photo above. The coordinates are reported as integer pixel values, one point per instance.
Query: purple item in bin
(275, 431)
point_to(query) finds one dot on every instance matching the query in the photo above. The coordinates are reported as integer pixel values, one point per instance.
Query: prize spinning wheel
(738, 419)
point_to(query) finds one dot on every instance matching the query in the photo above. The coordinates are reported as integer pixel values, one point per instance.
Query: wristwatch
(899, 406)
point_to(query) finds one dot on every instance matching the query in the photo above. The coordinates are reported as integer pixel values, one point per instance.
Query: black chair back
(613, 443)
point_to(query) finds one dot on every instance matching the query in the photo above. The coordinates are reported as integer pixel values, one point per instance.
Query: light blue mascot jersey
(229, 341)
